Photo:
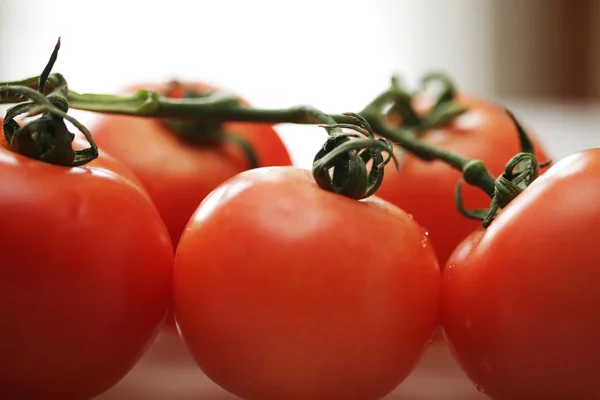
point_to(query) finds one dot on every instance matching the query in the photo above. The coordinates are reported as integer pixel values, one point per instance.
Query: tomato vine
(223, 106)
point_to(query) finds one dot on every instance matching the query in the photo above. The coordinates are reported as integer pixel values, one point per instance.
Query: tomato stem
(519, 172)
(203, 132)
(221, 106)
(46, 138)
(348, 156)
(376, 116)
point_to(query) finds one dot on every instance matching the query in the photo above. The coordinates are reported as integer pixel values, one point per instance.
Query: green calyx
(349, 164)
(397, 104)
(519, 172)
(205, 132)
(47, 137)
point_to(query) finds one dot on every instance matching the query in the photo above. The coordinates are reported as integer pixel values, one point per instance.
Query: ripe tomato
(426, 189)
(86, 274)
(283, 290)
(521, 301)
(176, 173)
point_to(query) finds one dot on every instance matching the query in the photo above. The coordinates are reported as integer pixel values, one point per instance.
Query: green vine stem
(221, 106)
(225, 107)
(204, 133)
(148, 104)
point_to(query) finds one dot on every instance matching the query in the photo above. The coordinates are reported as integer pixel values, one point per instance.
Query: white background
(333, 54)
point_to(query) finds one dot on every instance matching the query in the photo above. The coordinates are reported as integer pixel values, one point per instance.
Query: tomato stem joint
(519, 172)
(46, 138)
(348, 163)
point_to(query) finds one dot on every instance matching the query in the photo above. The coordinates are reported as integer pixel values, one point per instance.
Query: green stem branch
(224, 107)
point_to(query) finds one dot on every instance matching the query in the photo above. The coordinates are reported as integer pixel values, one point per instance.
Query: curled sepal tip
(447, 90)
(402, 104)
(524, 140)
(518, 173)
(352, 163)
(445, 108)
(46, 72)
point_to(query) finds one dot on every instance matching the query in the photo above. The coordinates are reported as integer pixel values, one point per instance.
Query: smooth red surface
(285, 291)
(521, 302)
(85, 276)
(426, 189)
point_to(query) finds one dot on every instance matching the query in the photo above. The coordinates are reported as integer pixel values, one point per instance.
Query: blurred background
(540, 57)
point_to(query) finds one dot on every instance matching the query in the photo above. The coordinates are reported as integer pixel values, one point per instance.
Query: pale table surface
(168, 372)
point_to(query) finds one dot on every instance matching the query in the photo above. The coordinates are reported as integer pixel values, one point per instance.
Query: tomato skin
(285, 291)
(177, 174)
(86, 273)
(520, 302)
(426, 189)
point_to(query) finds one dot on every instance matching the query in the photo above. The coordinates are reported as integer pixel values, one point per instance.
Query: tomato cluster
(282, 290)
(426, 190)
(176, 174)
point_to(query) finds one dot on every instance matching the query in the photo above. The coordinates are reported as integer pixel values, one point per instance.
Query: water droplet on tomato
(410, 216)
(424, 239)
(479, 388)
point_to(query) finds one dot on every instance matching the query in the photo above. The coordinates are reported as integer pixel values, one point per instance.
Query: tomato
(86, 275)
(176, 173)
(283, 290)
(426, 189)
(521, 301)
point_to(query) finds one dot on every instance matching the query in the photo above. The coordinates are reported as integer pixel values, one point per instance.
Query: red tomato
(283, 290)
(521, 301)
(176, 173)
(86, 274)
(426, 189)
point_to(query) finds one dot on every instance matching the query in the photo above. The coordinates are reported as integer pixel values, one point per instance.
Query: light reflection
(470, 120)
(566, 167)
(7, 158)
(219, 196)
(95, 171)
